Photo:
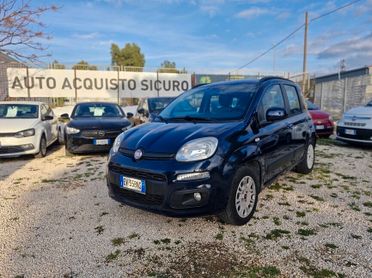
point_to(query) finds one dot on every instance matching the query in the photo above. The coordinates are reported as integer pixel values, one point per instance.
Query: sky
(215, 36)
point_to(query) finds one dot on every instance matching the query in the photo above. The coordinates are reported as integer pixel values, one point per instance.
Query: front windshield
(223, 102)
(311, 106)
(369, 104)
(19, 111)
(156, 105)
(93, 110)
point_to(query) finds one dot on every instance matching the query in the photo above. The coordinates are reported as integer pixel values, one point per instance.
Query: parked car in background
(322, 120)
(26, 128)
(93, 127)
(213, 149)
(149, 108)
(355, 125)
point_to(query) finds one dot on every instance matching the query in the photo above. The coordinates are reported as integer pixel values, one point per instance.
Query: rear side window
(273, 98)
(293, 100)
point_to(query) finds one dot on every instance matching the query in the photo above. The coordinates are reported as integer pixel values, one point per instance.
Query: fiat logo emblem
(101, 133)
(138, 154)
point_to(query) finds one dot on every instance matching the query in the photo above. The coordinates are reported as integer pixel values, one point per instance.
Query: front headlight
(197, 149)
(25, 133)
(72, 130)
(117, 143)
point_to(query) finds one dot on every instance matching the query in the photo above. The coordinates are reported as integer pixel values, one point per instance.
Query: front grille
(147, 155)
(101, 133)
(354, 124)
(9, 134)
(11, 149)
(147, 199)
(138, 174)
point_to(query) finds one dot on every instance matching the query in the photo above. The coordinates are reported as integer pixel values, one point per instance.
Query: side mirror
(64, 116)
(47, 118)
(129, 115)
(275, 114)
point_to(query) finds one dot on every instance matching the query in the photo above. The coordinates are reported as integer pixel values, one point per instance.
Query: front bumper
(77, 143)
(357, 135)
(12, 147)
(163, 193)
(323, 127)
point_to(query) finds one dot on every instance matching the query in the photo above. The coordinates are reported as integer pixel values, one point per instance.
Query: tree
(56, 65)
(21, 30)
(83, 65)
(129, 56)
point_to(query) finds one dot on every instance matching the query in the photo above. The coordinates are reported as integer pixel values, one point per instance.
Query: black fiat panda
(213, 149)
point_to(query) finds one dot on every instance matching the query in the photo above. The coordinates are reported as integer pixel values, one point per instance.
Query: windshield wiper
(161, 119)
(192, 119)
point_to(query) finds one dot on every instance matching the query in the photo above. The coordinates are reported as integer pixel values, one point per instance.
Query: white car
(356, 125)
(26, 128)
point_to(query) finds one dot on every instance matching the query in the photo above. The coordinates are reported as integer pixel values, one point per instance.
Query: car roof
(248, 81)
(96, 102)
(22, 102)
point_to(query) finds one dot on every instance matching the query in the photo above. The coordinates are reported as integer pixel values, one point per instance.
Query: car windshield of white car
(18, 111)
(95, 110)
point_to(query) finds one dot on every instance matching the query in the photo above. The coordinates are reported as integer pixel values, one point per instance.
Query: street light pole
(304, 69)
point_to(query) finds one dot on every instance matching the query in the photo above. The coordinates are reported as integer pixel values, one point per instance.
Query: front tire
(306, 165)
(243, 197)
(42, 147)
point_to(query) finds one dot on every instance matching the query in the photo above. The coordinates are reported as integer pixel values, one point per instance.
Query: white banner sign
(94, 84)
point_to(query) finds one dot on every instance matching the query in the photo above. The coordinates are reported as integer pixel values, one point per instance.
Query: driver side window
(272, 98)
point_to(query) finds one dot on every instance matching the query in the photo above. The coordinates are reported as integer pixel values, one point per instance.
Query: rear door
(296, 121)
(273, 139)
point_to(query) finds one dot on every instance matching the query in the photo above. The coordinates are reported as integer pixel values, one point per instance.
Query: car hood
(360, 111)
(99, 123)
(15, 125)
(169, 137)
(318, 114)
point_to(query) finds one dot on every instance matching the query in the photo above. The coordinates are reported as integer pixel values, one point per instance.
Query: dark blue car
(213, 149)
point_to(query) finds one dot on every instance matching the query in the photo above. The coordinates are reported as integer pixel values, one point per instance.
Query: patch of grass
(356, 236)
(99, 229)
(306, 232)
(277, 221)
(316, 186)
(277, 187)
(276, 233)
(331, 246)
(300, 213)
(284, 204)
(369, 230)
(118, 241)
(367, 204)
(333, 195)
(315, 197)
(260, 271)
(166, 240)
(311, 270)
(219, 236)
(134, 235)
(112, 256)
(354, 206)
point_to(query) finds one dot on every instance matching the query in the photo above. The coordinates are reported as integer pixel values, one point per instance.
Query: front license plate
(319, 126)
(350, 131)
(101, 141)
(133, 184)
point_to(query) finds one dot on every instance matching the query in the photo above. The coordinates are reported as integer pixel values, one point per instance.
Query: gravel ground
(56, 220)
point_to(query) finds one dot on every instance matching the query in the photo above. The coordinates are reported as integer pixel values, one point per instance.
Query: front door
(273, 138)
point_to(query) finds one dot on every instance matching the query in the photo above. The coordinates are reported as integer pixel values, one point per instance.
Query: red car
(323, 122)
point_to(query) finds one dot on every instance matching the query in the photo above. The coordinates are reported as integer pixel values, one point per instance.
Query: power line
(294, 32)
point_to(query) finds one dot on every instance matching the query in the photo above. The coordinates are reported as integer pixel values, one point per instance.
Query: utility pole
(304, 69)
(273, 60)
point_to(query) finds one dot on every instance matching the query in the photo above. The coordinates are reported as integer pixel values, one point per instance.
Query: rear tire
(42, 148)
(243, 197)
(306, 165)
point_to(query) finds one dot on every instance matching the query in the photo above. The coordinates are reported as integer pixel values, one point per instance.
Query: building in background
(6, 62)
(338, 92)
